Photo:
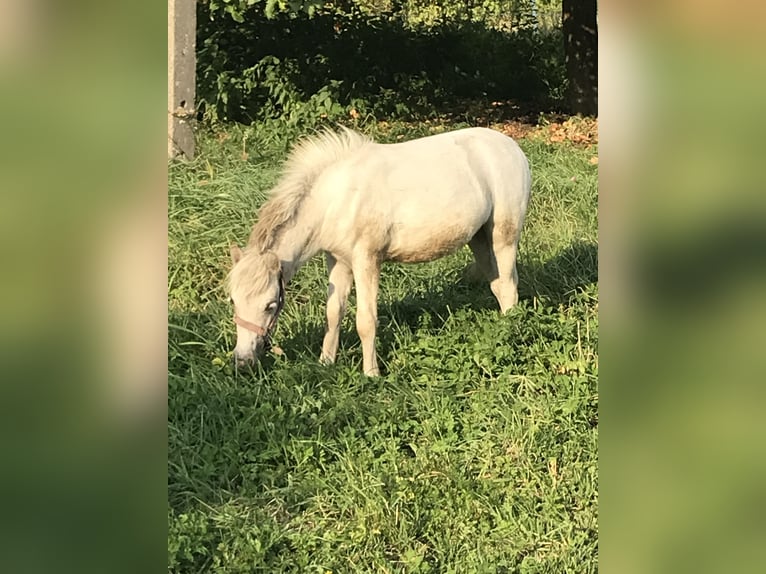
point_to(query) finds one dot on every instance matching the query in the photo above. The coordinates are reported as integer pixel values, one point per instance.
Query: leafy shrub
(260, 60)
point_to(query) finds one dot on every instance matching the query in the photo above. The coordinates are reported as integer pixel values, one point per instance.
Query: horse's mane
(308, 158)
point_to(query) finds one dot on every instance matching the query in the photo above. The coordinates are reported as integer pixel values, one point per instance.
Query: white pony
(363, 203)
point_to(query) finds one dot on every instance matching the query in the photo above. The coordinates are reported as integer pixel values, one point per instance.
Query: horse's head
(257, 290)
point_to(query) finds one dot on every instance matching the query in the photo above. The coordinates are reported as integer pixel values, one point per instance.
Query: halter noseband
(257, 329)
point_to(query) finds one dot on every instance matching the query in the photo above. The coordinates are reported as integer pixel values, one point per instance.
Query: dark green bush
(301, 67)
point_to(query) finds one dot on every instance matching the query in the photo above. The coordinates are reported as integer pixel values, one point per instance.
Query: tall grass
(475, 452)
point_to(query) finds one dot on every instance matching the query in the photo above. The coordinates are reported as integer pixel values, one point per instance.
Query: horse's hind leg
(337, 296)
(505, 287)
(494, 248)
(504, 248)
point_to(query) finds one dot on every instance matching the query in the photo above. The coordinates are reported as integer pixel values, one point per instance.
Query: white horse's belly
(426, 246)
(427, 233)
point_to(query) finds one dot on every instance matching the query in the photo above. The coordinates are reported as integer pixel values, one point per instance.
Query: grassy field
(476, 451)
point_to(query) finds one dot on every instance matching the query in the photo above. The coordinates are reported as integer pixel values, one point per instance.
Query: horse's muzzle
(255, 353)
(242, 362)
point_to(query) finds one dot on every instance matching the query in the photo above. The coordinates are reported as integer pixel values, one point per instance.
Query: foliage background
(392, 58)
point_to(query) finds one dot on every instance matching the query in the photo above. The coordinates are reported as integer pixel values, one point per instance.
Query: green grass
(475, 452)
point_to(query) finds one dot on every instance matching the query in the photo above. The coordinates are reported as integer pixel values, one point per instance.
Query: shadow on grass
(238, 431)
(559, 279)
(188, 331)
(556, 280)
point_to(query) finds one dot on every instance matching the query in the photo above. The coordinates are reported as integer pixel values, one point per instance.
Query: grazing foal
(364, 203)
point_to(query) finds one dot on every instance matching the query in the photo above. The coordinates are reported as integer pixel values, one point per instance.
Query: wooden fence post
(182, 33)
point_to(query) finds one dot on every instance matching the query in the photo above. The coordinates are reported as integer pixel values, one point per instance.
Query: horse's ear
(272, 262)
(236, 253)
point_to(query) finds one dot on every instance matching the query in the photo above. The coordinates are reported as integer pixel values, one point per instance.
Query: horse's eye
(271, 306)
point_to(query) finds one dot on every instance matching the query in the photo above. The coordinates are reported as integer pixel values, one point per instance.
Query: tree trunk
(581, 49)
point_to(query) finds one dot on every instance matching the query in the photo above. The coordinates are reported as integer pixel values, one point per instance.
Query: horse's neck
(296, 244)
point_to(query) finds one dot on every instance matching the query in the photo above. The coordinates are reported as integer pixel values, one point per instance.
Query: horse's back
(426, 197)
(459, 169)
(497, 156)
(462, 157)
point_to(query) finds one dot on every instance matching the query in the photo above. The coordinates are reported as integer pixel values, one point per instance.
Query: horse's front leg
(366, 276)
(340, 279)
